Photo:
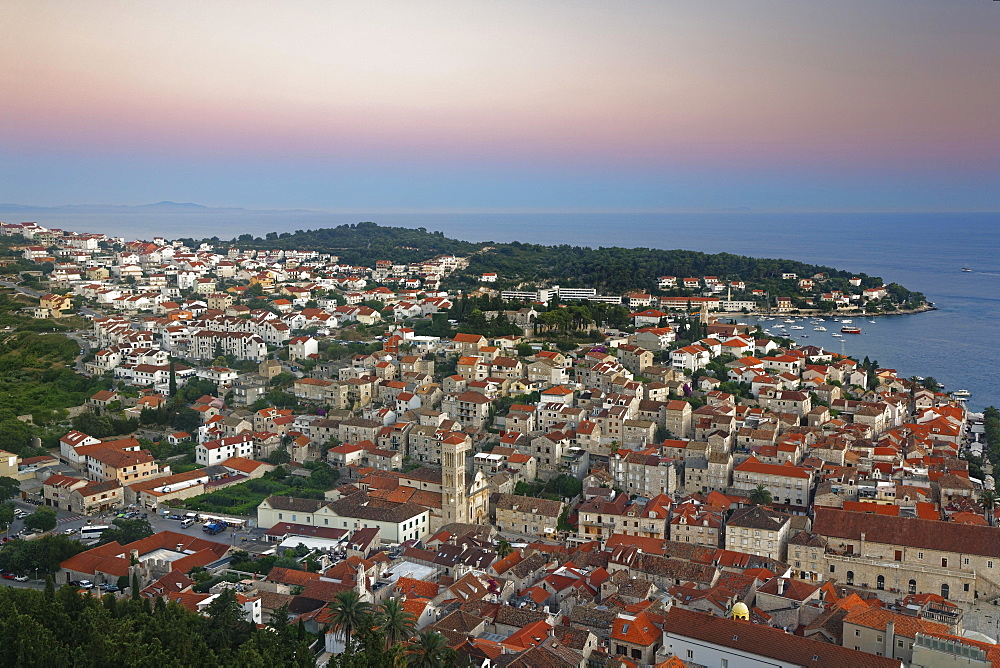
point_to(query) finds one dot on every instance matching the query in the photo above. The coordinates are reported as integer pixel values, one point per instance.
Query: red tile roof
(908, 532)
(768, 642)
(638, 630)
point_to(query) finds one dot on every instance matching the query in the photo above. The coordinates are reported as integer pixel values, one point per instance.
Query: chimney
(890, 635)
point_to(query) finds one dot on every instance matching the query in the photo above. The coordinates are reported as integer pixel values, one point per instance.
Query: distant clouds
(669, 104)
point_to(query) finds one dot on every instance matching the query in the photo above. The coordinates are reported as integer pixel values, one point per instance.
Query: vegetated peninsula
(747, 283)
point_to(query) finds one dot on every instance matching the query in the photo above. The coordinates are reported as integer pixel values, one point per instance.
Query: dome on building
(740, 611)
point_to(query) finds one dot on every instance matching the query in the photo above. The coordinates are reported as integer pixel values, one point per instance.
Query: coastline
(826, 314)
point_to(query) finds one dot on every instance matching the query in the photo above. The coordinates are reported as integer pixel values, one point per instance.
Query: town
(523, 477)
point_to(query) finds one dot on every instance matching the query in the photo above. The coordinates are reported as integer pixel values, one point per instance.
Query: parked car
(69, 531)
(8, 576)
(175, 517)
(21, 578)
(86, 584)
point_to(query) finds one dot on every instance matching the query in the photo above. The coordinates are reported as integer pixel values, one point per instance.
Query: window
(965, 587)
(920, 555)
(878, 637)
(899, 643)
(913, 587)
(857, 633)
(944, 562)
(945, 590)
(850, 577)
(690, 654)
(966, 561)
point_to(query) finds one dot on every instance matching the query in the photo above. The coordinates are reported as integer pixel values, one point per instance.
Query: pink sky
(904, 90)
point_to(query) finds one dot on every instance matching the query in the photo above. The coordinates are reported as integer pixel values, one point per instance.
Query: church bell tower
(454, 504)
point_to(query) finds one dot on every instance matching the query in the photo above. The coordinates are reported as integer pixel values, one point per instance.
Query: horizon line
(372, 211)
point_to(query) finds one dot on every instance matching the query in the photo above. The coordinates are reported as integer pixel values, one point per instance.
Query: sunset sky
(503, 105)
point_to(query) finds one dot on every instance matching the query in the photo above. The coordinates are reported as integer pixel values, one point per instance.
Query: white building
(218, 451)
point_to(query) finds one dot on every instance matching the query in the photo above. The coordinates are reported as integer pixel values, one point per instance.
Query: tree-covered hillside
(617, 270)
(364, 243)
(611, 270)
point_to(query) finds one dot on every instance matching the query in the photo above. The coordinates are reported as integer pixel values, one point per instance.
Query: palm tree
(395, 622)
(503, 548)
(761, 496)
(429, 651)
(988, 501)
(349, 612)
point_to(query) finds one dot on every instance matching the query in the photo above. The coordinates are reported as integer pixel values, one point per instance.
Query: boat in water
(966, 269)
(797, 327)
(962, 393)
(838, 335)
(850, 330)
(820, 328)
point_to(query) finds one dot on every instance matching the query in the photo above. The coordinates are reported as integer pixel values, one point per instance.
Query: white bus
(92, 532)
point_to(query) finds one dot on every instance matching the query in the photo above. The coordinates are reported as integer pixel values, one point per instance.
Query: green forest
(36, 374)
(612, 270)
(364, 243)
(65, 628)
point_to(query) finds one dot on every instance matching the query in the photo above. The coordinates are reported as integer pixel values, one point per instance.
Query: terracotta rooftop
(768, 642)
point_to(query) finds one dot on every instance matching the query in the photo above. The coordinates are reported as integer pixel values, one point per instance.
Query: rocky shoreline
(827, 314)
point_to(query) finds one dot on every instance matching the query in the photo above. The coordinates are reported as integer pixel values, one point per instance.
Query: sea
(956, 344)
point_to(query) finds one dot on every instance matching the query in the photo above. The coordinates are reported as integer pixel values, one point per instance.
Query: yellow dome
(740, 611)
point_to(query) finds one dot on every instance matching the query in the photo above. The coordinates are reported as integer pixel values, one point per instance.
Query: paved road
(62, 517)
(36, 294)
(23, 290)
(84, 349)
(71, 523)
